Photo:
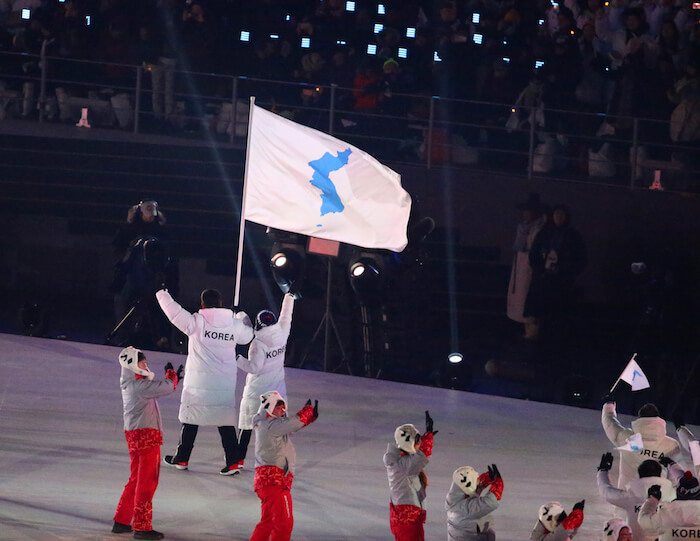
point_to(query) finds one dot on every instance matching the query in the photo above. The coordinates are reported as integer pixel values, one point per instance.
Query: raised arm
(154, 389)
(177, 315)
(649, 518)
(286, 425)
(285, 319)
(612, 495)
(616, 433)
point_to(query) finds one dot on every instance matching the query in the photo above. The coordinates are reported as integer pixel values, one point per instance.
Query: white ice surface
(63, 458)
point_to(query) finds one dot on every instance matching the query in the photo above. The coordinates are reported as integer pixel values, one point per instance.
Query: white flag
(634, 375)
(302, 180)
(634, 444)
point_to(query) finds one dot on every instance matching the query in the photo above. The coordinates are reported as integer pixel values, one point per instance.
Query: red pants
(408, 532)
(407, 522)
(276, 514)
(135, 507)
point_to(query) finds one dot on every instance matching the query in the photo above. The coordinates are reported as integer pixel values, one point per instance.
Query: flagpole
(241, 228)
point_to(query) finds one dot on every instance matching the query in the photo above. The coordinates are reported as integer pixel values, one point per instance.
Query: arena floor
(63, 458)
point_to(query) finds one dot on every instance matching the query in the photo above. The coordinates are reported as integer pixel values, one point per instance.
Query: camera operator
(142, 263)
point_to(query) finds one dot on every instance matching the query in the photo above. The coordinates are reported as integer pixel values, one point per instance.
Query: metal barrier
(525, 140)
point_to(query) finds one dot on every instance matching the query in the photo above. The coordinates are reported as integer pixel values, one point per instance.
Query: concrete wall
(616, 223)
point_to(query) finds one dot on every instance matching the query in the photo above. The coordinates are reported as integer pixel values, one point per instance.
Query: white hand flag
(634, 375)
(634, 444)
(302, 180)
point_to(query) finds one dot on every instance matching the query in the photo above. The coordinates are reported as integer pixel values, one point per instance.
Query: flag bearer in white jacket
(679, 519)
(209, 389)
(653, 430)
(631, 498)
(274, 464)
(144, 436)
(469, 504)
(265, 367)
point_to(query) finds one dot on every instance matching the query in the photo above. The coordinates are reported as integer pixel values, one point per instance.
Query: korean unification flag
(302, 180)
(634, 375)
(634, 444)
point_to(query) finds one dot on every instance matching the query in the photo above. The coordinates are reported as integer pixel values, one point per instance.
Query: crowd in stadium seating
(636, 58)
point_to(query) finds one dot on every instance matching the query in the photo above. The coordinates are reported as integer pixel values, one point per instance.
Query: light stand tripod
(327, 323)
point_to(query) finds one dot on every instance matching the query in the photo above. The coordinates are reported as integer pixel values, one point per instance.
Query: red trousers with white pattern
(135, 507)
(276, 516)
(407, 522)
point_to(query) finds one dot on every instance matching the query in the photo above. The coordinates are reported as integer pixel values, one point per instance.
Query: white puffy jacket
(265, 364)
(209, 388)
(675, 520)
(656, 443)
(632, 498)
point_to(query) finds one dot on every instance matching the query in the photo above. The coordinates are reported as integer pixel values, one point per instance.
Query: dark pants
(229, 440)
(243, 441)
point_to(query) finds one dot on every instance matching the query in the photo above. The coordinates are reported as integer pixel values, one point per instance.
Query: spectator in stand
(163, 74)
(116, 48)
(561, 73)
(367, 88)
(631, 50)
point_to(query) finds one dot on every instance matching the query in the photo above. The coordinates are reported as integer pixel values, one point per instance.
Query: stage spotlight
(357, 269)
(279, 260)
(287, 262)
(455, 357)
(367, 277)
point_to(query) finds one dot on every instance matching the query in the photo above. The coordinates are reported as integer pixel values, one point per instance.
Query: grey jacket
(468, 517)
(273, 446)
(404, 485)
(138, 395)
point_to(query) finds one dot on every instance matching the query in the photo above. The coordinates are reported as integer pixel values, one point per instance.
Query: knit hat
(129, 358)
(612, 528)
(649, 468)
(406, 437)
(549, 515)
(265, 318)
(466, 478)
(268, 402)
(648, 410)
(688, 487)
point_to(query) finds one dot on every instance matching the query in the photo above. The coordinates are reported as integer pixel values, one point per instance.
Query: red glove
(172, 376)
(308, 414)
(496, 487)
(426, 444)
(573, 520)
(484, 480)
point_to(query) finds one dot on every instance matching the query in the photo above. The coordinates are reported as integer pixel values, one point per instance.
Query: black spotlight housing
(366, 273)
(288, 265)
